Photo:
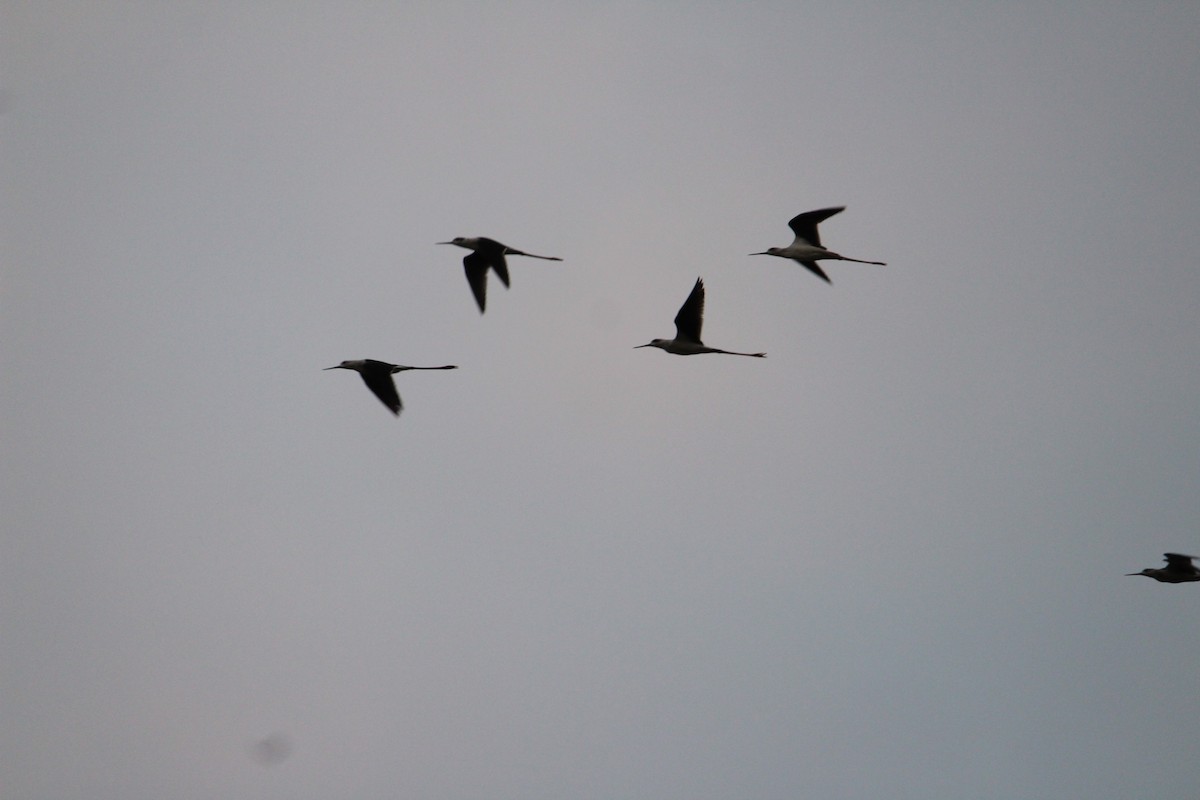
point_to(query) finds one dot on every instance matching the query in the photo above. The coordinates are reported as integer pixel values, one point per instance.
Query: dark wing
(476, 266)
(691, 315)
(805, 225)
(816, 269)
(1180, 562)
(493, 253)
(500, 264)
(384, 387)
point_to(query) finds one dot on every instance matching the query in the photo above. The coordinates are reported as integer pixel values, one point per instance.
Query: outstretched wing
(382, 385)
(805, 225)
(815, 268)
(1178, 561)
(690, 318)
(500, 264)
(476, 266)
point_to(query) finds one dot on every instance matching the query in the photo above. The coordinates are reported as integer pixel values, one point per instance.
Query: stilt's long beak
(640, 346)
(339, 366)
(764, 253)
(1134, 574)
(443, 242)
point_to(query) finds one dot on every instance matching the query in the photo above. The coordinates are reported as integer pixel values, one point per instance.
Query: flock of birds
(806, 249)
(489, 254)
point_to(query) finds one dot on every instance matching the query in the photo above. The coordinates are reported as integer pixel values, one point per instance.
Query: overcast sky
(887, 561)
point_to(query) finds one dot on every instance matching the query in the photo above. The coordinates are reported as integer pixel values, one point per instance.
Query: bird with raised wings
(806, 249)
(688, 322)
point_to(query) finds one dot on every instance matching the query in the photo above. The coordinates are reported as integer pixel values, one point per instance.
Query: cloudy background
(886, 561)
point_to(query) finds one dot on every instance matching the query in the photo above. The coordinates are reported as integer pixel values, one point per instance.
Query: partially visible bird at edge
(488, 253)
(377, 375)
(807, 249)
(688, 322)
(1179, 569)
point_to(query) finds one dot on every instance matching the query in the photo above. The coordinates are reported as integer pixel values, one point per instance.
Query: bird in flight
(1179, 569)
(687, 329)
(377, 375)
(488, 253)
(807, 249)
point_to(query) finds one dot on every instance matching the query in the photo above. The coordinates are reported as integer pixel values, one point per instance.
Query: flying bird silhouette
(488, 253)
(377, 375)
(1179, 569)
(688, 322)
(806, 249)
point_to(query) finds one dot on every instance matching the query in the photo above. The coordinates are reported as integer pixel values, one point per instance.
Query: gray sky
(886, 561)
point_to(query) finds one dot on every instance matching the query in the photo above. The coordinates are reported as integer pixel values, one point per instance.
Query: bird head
(652, 343)
(461, 241)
